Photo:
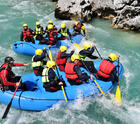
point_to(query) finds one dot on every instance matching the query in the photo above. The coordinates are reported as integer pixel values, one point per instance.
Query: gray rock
(125, 13)
(128, 15)
(74, 9)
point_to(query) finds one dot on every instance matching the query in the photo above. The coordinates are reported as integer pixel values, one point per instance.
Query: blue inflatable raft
(28, 48)
(39, 99)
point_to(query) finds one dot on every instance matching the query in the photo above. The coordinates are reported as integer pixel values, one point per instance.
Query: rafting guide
(8, 79)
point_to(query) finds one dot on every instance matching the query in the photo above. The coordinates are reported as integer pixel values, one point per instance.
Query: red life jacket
(3, 67)
(1, 82)
(27, 33)
(51, 36)
(78, 27)
(61, 62)
(105, 69)
(70, 73)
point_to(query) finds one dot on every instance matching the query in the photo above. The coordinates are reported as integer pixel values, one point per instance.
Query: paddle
(9, 105)
(50, 57)
(62, 86)
(96, 50)
(89, 71)
(75, 44)
(118, 92)
(94, 80)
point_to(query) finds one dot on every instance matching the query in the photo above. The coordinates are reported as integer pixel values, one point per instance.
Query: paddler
(107, 70)
(8, 79)
(49, 78)
(74, 73)
(62, 57)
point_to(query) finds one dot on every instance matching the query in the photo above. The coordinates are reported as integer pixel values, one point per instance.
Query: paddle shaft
(118, 67)
(96, 49)
(62, 87)
(75, 44)
(98, 52)
(118, 92)
(50, 57)
(94, 80)
(9, 105)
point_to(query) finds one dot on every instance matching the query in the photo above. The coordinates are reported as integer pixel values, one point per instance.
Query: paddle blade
(77, 46)
(64, 94)
(118, 96)
(50, 55)
(7, 110)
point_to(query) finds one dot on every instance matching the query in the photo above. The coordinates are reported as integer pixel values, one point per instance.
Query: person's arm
(18, 64)
(69, 33)
(46, 29)
(4, 74)
(51, 77)
(42, 30)
(84, 32)
(74, 27)
(66, 55)
(41, 57)
(59, 31)
(83, 28)
(21, 36)
(54, 27)
(88, 53)
(114, 73)
(81, 76)
(35, 31)
(55, 35)
(32, 31)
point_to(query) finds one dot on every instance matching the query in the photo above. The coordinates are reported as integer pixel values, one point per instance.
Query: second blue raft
(28, 48)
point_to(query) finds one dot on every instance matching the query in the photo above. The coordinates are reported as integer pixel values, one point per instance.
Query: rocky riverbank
(125, 14)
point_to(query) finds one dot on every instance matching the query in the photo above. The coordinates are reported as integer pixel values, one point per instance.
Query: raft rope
(19, 99)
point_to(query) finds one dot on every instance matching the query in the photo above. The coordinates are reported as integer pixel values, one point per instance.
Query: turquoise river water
(14, 13)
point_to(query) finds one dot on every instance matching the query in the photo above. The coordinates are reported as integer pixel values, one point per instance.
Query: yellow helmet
(112, 56)
(83, 28)
(63, 48)
(50, 64)
(25, 25)
(50, 27)
(87, 46)
(50, 22)
(76, 23)
(39, 52)
(75, 57)
(37, 23)
(63, 25)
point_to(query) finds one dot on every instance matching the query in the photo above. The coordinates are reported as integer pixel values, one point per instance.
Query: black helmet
(9, 60)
